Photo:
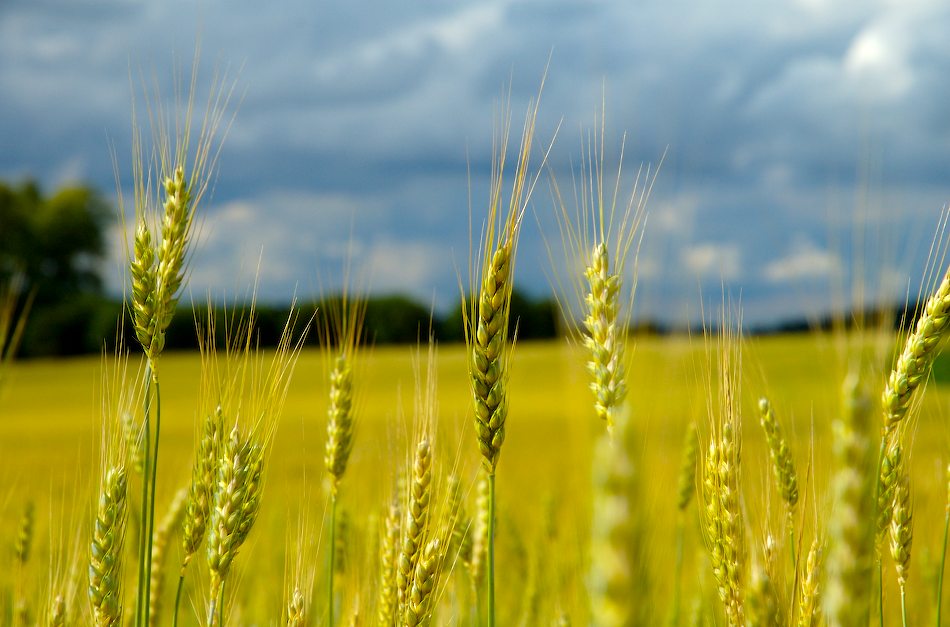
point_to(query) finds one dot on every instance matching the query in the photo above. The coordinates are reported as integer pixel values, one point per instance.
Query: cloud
(710, 261)
(804, 262)
(406, 266)
(369, 124)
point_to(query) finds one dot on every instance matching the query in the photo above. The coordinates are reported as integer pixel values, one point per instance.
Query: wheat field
(49, 438)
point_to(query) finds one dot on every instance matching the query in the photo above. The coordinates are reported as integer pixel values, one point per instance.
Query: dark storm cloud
(364, 120)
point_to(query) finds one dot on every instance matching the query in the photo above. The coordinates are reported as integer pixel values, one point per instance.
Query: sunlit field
(49, 437)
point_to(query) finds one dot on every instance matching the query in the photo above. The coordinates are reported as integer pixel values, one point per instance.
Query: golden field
(49, 440)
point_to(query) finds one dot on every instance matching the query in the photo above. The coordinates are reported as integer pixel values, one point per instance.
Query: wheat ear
(686, 486)
(194, 522)
(416, 522)
(489, 357)
(902, 535)
(723, 523)
(851, 529)
(236, 502)
(425, 577)
(783, 467)
(888, 478)
(605, 337)
(105, 557)
(160, 540)
(144, 280)
(296, 609)
(21, 555)
(479, 536)
(387, 604)
(917, 356)
(340, 420)
(809, 609)
(57, 611)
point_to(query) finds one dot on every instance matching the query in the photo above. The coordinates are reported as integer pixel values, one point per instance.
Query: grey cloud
(772, 114)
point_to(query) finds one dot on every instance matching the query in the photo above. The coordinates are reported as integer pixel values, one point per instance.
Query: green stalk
(491, 550)
(903, 607)
(221, 605)
(181, 585)
(943, 560)
(880, 590)
(144, 540)
(477, 604)
(212, 610)
(790, 523)
(151, 502)
(216, 605)
(332, 555)
(678, 573)
(877, 498)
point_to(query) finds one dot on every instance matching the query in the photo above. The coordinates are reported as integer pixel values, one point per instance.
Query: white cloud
(876, 61)
(406, 266)
(672, 215)
(710, 261)
(804, 262)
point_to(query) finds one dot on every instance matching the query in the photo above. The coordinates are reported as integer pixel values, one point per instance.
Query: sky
(804, 143)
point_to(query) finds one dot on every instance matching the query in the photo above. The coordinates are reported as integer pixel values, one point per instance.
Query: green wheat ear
(489, 356)
(340, 424)
(917, 356)
(782, 464)
(105, 556)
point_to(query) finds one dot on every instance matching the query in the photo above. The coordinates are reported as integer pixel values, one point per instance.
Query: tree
(54, 243)
(53, 247)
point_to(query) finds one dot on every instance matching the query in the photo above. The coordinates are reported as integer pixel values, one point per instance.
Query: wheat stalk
(616, 583)
(157, 268)
(762, 607)
(943, 551)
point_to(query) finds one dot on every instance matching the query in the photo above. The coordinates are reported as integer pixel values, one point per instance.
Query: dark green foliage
(54, 242)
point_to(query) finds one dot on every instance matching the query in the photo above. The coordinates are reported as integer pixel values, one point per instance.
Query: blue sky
(784, 124)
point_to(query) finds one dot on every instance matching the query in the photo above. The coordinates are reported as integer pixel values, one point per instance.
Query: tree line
(53, 246)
